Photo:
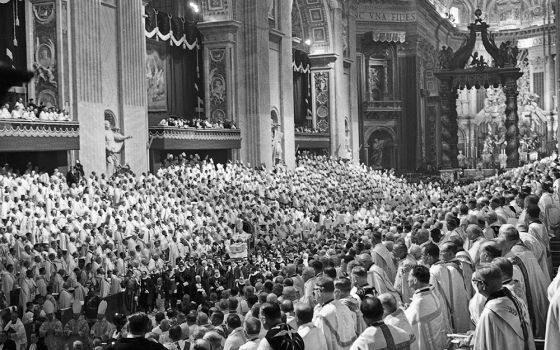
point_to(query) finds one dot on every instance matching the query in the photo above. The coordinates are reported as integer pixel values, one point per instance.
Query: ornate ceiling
(500, 14)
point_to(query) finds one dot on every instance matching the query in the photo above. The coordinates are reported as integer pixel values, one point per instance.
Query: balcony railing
(312, 140)
(20, 135)
(172, 138)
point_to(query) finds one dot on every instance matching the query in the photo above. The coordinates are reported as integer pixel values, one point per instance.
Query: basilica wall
(397, 44)
(92, 54)
(354, 79)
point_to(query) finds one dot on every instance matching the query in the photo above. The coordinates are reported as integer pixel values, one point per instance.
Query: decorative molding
(161, 132)
(311, 140)
(322, 61)
(217, 9)
(219, 31)
(39, 129)
(164, 137)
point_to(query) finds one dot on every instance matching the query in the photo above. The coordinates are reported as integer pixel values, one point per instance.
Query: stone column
(132, 83)
(287, 83)
(87, 82)
(354, 108)
(557, 75)
(512, 120)
(449, 128)
(253, 82)
(548, 84)
(338, 131)
(549, 91)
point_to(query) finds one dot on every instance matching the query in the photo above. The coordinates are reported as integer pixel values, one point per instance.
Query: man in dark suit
(138, 325)
(5, 343)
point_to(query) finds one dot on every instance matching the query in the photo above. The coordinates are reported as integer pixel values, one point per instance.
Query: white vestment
(425, 315)
(500, 326)
(382, 336)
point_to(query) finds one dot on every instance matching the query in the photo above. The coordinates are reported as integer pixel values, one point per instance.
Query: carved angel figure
(445, 57)
(508, 53)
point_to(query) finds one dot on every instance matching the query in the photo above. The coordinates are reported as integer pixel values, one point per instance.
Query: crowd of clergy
(30, 112)
(340, 256)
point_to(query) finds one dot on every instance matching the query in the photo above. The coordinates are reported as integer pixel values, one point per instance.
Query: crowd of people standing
(341, 257)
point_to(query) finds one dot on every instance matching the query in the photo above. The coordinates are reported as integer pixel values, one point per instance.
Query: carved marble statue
(114, 143)
(461, 159)
(376, 157)
(445, 57)
(509, 52)
(277, 152)
(532, 119)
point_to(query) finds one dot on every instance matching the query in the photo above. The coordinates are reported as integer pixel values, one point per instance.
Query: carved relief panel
(44, 46)
(322, 101)
(218, 85)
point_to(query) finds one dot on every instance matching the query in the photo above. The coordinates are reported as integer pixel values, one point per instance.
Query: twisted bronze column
(512, 120)
(449, 127)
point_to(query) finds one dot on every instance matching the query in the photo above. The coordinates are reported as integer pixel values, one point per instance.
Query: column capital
(323, 61)
(219, 31)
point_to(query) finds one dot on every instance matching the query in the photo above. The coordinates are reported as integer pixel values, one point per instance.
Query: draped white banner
(172, 41)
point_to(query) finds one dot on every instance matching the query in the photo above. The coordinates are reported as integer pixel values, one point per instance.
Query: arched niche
(381, 143)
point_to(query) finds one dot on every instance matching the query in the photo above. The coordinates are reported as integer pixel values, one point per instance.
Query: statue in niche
(347, 141)
(487, 152)
(493, 116)
(461, 160)
(114, 143)
(277, 152)
(376, 157)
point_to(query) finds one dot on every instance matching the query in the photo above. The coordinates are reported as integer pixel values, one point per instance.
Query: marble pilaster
(133, 105)
(354, 117)
(338, 147)
(286, 83)
(253, 83)
(557, 75)
(87, 82)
